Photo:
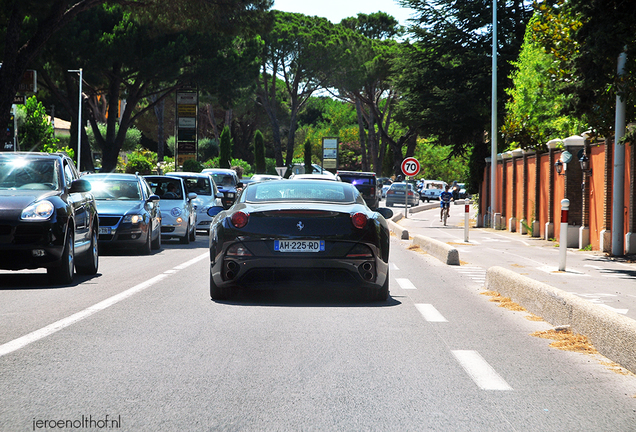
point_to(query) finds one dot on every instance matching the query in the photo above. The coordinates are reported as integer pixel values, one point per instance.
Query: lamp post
(79, 119)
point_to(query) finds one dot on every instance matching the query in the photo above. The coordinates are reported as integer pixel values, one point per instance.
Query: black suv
(366, 183)
(48, 217)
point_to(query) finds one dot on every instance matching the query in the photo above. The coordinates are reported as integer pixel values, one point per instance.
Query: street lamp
(79, 119)
(558, 165)
(585, 165)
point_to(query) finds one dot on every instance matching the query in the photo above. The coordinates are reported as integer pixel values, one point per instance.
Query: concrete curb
(612, 334)
(440, 250)
(397, 229)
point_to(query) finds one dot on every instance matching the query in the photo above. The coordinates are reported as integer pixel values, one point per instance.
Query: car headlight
(230, 194)
(133, 218)
(175, 212)
(38, 211)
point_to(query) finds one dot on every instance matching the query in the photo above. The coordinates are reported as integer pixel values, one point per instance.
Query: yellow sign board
(181, 158)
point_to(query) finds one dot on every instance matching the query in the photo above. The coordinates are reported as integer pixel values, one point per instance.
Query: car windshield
(224, 180)
(28, 173)
(400, 186)
(167, 189)
(112, 189)
(198, 185)
(300, 190)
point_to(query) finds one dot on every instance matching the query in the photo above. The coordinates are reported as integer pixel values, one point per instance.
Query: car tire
(90, 262)
(193, 234)
(216, 292)
(156, 244)
(186, 237)
(65, 271)
(146, 248)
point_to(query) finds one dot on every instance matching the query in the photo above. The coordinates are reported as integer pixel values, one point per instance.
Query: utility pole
(618, 186)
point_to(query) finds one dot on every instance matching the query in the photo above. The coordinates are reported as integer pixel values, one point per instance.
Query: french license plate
(104, 230)
(399, 193)
(299, 245)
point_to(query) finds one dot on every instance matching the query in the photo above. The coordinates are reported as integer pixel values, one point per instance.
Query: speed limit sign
(410, 166)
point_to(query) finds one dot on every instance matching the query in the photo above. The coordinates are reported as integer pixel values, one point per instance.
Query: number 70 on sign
(410, 166)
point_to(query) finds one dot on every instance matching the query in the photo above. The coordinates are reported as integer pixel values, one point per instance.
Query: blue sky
(336, 10)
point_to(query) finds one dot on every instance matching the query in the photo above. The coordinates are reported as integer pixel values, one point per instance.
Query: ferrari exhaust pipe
(231, 270)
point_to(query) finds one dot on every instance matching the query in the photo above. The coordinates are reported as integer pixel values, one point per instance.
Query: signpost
(186, 136)
(410, 167)
(330, 153)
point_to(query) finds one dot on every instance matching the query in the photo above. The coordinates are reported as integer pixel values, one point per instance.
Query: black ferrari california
(300, 232)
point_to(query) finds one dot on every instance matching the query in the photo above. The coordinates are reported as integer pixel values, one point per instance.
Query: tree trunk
(362, 137)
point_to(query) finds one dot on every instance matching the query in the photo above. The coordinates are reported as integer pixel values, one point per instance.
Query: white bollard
(466, 217)
(563, 236)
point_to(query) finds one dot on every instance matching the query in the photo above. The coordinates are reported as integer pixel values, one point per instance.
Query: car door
(80, 203)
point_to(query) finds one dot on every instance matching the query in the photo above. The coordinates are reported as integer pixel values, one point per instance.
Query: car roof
(112, 175)
(187, 174)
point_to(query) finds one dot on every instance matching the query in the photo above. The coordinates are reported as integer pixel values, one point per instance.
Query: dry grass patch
(416, 248)
(615, 367)
(565, 340)
(533, 317)
(461, 263)
(504, 302)
(459, 244)
(517, 265)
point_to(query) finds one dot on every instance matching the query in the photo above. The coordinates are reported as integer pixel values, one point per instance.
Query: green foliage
(259, 153)
(55, 148)
(536, 110)
(208, 149)
(247, 168)
(142, 162)
(131, 141)
(225, 148)
(36, 132)
(438, 162)
(192, 165)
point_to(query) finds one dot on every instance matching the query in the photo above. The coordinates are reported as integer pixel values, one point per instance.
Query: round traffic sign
(410, 166)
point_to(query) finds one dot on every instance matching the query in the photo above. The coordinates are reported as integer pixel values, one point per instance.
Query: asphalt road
(143, 344)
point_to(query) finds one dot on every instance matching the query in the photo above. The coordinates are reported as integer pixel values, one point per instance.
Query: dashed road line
(480, 371)
(405, 284)
(430, 313)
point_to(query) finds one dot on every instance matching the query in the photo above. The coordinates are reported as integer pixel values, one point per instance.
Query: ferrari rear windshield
(299, 190)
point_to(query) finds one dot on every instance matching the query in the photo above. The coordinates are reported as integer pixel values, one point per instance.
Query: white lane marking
(392, 266)
(405, 284)
(567, 272)
(480, 371)
(430, 313)
(48, 330)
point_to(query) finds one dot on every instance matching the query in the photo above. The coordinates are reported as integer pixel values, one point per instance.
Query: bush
(143, 162)
(192, 165)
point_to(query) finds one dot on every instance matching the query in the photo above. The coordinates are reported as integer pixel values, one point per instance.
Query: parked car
(129, 213)
(298, 232)
(366, 183)
(208, 202)
(432, 189)
(227, 182)
(48, 216)
(397, 194)
(179, 220)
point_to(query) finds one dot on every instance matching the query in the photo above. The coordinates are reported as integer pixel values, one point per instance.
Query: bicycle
(446, 211)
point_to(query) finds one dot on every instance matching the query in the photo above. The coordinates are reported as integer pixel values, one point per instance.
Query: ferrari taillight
(239, 219)
(359, 220)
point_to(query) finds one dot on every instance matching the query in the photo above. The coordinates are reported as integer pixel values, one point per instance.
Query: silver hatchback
(178, 218)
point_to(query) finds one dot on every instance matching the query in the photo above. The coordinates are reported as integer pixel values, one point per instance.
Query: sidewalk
(606, 281)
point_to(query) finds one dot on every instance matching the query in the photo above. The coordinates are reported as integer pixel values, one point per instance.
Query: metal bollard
(563, 236)
(466, 217)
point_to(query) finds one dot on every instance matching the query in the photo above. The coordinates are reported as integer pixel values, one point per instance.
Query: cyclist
(444, 202)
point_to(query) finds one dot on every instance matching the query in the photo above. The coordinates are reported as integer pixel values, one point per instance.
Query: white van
(431, 189)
